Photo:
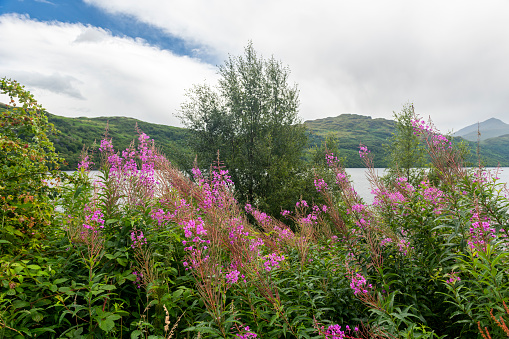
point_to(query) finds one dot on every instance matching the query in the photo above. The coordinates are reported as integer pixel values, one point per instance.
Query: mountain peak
(490, 128)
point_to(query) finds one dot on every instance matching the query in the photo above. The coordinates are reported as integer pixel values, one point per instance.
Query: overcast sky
(137, 58)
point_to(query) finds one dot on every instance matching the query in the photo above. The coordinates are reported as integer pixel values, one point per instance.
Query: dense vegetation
(145, 251)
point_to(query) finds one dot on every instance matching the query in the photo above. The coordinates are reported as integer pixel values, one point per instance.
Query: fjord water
(363, 188)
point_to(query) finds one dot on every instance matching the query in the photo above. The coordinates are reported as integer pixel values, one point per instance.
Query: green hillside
(495, 151)
(76, 132)
(351, 130)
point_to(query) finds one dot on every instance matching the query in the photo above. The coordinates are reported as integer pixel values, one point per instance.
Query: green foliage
(27, 163)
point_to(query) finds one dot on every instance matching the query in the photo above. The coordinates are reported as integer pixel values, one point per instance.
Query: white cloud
(77, 70)
(55, 83)
(367, 57)
(45, 2)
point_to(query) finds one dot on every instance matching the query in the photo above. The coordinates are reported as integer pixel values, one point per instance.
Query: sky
(370, 57)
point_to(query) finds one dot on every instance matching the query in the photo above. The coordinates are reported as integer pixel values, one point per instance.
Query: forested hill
(76, 132)
(352, 129)
(349, 129)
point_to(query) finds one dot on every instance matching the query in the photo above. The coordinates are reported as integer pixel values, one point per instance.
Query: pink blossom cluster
(385, 241)
(262, 218)
(335, 332)
(435, 139)
(94, 222)
(233, 277)
(341, 178)
(284, 232)
(246, 334)
(285, 213)
(312, 218)
(403, 185)
(85, 163)
(272, 261)
(163, 217)
(403, 246)
(453, 278)
(359, 208)
(139, 279)
(93, 219)
(302, 204)
(106, 146)
(237, 231)
(362, 223)
(194, 229)
(393, 200)
(133, 182)
(359, 284)
(265, 221)
(256, 244)
(481, 232)
(332, 161)
(138, 239)
(216, 190)
(363, 151)
(434, 196)
(318, 210)
(320, 185)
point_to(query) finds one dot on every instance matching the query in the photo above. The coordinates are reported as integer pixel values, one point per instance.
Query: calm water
(361, 184)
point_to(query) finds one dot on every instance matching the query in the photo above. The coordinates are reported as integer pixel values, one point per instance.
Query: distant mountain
(490, 128)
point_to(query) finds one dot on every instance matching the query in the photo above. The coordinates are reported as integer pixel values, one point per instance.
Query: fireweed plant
(143, 248)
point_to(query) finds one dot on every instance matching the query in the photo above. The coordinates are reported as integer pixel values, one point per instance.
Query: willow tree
(251, 118)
